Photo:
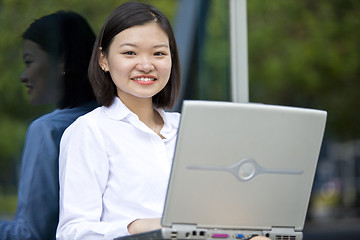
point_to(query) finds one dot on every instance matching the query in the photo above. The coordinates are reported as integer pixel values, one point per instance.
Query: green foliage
(214, 61)
(306, 53)
(11, 132)
(8, 203)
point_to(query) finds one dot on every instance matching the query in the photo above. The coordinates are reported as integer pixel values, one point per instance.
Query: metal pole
(239, 51)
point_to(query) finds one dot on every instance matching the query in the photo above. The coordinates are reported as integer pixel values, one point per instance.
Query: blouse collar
(118, 111)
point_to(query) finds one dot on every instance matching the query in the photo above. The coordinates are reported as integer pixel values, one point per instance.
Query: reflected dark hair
(123, 17)
(67, 36)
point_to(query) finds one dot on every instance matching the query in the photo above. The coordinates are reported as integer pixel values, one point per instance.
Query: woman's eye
(129, 53)
(160, 54)
(27, 62)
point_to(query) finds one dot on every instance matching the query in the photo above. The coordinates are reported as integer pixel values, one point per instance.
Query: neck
(144, 109)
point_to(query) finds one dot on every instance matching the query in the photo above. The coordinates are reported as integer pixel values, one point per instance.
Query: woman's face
(139, 61)
(42, 75)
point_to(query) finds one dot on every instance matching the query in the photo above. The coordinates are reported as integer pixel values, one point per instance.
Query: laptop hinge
(282, 233)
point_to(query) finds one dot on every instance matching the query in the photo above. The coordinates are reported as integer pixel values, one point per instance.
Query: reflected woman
(56, 51)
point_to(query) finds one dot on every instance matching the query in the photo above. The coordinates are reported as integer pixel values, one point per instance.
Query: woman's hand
(144, 225)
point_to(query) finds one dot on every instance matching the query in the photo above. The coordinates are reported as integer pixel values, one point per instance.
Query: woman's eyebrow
(127, 44)
(27, 55)
(161, 45)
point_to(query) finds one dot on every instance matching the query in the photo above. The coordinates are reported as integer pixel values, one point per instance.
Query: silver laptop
(241, 170)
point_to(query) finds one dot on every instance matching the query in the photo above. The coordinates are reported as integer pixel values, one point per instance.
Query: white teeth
(144, 79)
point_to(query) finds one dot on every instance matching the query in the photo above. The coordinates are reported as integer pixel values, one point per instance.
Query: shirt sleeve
(37, 208)
(83, 174)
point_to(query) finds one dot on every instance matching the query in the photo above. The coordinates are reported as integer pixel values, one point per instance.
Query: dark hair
(67, 36)
(123, 17)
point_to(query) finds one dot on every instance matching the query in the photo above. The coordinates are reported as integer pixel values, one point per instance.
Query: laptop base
(190, 233)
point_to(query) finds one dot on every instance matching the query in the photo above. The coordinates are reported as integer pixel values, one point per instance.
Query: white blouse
(113, 170)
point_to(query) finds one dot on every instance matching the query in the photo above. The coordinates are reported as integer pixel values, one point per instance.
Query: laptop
(240, 170)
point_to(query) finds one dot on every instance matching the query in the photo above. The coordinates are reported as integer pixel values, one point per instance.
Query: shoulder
(46, 122)
(95, 116)
(85, 131)
(60, 118)
(86, 122)
(44, 131)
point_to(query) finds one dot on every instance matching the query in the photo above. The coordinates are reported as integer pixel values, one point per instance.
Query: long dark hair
(123, 17)
(66, 36)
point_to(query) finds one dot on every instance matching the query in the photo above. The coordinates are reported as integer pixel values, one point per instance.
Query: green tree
(306, 53)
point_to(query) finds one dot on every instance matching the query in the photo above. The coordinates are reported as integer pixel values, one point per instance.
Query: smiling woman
(115, 183)
(56, 53)
(42, 76)
(139, 62)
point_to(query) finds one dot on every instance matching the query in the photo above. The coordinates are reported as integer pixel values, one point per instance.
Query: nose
(23, 77)
(145, 65)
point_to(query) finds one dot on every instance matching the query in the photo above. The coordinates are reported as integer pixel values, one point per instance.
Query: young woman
(56, 51)
(115, 161)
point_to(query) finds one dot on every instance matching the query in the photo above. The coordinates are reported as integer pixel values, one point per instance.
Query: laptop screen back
(243, 166)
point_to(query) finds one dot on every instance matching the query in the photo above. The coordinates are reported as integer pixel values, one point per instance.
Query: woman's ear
(103, 61)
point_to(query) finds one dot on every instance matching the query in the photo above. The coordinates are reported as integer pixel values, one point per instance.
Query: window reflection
(301, 53)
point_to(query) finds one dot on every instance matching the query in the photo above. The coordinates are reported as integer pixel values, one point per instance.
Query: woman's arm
(83, 174)
(144, 225)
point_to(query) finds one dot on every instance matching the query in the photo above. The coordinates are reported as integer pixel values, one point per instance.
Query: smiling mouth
(29, 89)
(144, 80)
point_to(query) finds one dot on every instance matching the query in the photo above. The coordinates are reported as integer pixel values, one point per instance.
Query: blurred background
(301, 53)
